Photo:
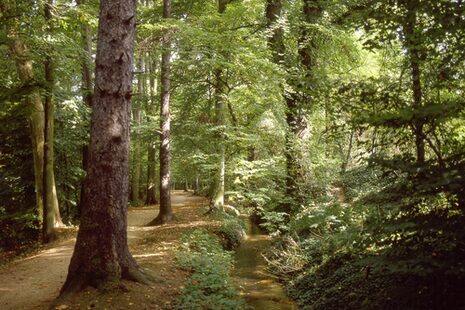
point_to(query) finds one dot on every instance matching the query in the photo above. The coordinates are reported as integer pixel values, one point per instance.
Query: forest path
(34, 282)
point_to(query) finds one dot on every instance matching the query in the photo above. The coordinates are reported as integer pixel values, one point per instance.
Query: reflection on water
(258, 288)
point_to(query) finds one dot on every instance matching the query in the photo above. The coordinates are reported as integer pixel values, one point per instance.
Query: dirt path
(34, 282)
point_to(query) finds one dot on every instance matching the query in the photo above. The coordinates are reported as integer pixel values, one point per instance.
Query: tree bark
(411, 42)
(101, 256)
(34, 104)
(297, 100)
(273, 12)
(196, 184)
(165, 214)
(86, 61)
(220, 121)
(137, 114)
(86, 88)
(52, 216)
(219, 181)
(151, 196)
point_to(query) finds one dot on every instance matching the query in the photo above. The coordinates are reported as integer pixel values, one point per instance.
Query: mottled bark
(220, 121)
(218, 196)
(165, 214)
(101, 256)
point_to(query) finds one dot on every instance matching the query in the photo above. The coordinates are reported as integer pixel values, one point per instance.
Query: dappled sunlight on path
(34, 282)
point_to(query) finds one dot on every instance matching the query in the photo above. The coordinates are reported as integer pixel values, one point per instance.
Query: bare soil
(35, 281)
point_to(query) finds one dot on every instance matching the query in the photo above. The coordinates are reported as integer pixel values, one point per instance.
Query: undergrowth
(231, 231)
(387, 246)
(209, 285)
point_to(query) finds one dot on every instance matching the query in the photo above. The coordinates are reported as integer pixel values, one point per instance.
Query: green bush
(18, 229)
(231, 231)
(210, 285)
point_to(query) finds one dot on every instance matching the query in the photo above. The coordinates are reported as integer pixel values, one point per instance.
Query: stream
(259, 289)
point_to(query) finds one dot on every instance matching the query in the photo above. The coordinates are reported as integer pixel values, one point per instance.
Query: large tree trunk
(298, 100)
(165, 214)
(276, 43)
(101, 256)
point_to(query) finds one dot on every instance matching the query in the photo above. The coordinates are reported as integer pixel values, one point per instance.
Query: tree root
(141, 275)
(80, 282)
(161, 220)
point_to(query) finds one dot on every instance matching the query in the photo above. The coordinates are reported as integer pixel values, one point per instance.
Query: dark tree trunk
(276, 40)
(165, 214)
(85, 165)
(86, 87)
(411, 42)
(86, 61)
(101, 256)
(151, 198)
(276, 44)
(297, 101)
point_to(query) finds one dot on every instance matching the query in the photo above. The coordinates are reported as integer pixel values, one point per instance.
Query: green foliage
(343, 283)
(231, 231)
(210, 285)
(18, 229)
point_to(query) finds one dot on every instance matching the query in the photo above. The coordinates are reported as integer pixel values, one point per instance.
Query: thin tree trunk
(151, 196)
(33, 100)
(87, 89)
(411, 42)
(135, 184)
(101, 256)
(218, 197)
(52, 217)
(48, 227)
(86, 61)
(196, 185)
(219, 181)
(165, 214)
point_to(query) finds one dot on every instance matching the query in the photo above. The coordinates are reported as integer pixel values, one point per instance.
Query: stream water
(259, 289)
